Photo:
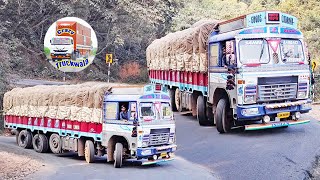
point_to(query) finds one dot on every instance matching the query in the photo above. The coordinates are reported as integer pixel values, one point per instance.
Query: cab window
(214, 52)
(123, 111)
(147, 109)
(166, 110)
(110, 110)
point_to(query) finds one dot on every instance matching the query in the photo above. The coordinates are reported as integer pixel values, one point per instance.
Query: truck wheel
(89, 151)
(172, 100)
(25, 139)
(223, 123)
(177, 98)
(40, 143)
(118, 155)
(55, 143)
(73, 56)
(201, 111)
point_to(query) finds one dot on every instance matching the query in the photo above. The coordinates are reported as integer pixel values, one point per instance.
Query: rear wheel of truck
(177, 100)
(223, 122)
(25, 139)
(55, 143)
(89, 151)
(118, 155)
(172, 99)
(201, 112)
(40, 143)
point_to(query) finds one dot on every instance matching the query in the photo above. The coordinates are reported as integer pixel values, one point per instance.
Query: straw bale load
(80, 102)
(183, 50)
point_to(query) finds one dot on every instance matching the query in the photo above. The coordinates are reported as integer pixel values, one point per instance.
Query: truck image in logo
(70, 44)
(72, 41)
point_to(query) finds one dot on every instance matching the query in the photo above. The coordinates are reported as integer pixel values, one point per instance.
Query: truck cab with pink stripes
(123, 122)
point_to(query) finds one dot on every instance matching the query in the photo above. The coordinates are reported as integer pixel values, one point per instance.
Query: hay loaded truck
(249, 71)
(72, 41)
(86, 119)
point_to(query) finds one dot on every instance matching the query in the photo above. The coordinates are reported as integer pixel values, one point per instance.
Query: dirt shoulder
(17, 164)
(14, 166)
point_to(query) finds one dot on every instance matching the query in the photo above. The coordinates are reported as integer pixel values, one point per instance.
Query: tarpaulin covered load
(80, 102)
(183, 50)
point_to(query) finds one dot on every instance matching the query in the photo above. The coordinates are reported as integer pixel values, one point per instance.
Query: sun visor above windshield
(259, 19)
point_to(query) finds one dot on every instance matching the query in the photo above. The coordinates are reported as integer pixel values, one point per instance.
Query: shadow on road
(103, 160)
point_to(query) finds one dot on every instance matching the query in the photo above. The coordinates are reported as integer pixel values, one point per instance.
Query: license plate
(163, 154)
(280, 124)
(283, 115)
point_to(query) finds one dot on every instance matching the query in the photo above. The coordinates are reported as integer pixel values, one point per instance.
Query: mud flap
(274, 124)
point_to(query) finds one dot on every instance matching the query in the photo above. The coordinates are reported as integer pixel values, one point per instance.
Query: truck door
(213, 67)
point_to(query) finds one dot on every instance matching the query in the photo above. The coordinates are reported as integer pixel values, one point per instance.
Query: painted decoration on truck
(271, 17)
(70, 44)
(218, 78)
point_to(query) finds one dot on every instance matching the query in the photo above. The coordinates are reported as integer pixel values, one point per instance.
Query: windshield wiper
(262, 50)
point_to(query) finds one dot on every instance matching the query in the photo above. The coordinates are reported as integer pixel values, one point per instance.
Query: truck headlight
(302, 94)
(171, 140)
(250, 98)
(250, 111)
(250, 93)
(145, 143)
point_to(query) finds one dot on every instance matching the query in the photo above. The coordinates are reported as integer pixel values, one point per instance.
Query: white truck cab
(62, 48)
(144, 131)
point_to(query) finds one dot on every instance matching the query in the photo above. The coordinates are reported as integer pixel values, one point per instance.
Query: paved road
(203, 153)
(285, 153)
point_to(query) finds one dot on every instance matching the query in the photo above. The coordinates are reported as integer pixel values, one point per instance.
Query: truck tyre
(223, 123)
(89, 151)
(40, 143)
(118, 155)
(177, 98)
(25, 139)
(201, 111)
(73, 56)
(172, 100)
(55, 143)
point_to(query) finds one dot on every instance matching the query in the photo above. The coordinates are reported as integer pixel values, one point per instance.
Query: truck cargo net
(277, 92)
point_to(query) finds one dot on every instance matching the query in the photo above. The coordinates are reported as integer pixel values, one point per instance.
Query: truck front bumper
(159, 151)
(61, 56)
(256, 112)
(274, 124)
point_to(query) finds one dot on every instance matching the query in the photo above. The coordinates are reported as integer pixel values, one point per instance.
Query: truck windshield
(147, 109)
(291, 51)
(254, 51)
(61, 41)
(166, 110)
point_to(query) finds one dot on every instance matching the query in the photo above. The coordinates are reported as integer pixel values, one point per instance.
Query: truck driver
(123, 113)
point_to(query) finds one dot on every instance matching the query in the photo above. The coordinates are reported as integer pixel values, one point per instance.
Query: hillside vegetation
(124, 28)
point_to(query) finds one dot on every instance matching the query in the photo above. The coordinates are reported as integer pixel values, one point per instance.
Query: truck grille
(60, 50)
(158, 139)
(277, 92)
